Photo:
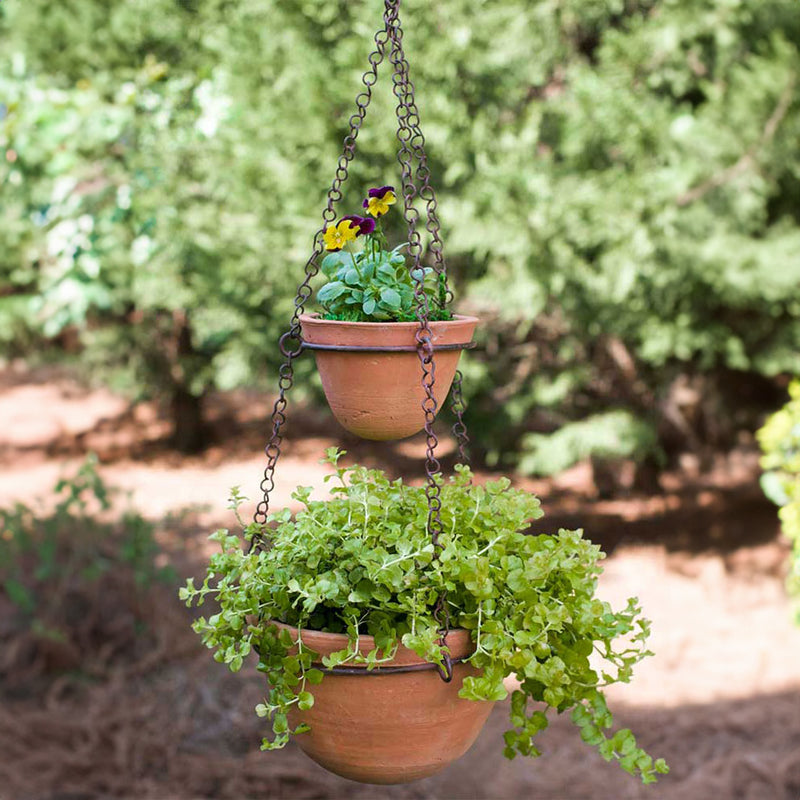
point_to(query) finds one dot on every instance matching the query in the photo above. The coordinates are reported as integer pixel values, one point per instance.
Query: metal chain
(458, 407)
(408, 119)
(427, 193)
(291, 343)
(426, 190)
(412, 144)
(424, 336)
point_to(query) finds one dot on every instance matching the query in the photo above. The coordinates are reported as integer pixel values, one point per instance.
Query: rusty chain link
(408, 130)
(458, 407)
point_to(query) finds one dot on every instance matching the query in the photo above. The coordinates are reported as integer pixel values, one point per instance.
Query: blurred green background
(619, 183)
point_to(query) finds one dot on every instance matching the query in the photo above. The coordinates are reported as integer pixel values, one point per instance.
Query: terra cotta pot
(387, 728)
(379, 395)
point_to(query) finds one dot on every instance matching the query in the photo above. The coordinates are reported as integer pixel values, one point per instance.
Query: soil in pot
(379, 395)
(388, 727)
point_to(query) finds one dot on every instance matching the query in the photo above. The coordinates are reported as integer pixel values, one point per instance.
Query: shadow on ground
(184, 728)
(719, 510)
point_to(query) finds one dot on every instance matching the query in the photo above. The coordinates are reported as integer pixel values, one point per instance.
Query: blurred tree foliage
(619, 182)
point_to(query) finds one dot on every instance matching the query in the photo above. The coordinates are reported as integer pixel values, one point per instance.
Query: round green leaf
(330, 291)
(391, 298)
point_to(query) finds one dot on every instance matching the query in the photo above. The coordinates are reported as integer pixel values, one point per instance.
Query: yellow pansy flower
(337, 236)
(379, 200)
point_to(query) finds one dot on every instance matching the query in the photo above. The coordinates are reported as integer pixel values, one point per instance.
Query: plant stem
(355, 265)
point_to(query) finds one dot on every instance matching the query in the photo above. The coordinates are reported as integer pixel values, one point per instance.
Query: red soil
(720, 700)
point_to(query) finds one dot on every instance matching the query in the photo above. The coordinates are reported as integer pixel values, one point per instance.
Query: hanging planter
(387, 618)
(370, 338)
(370, 370)
(395, 723)
(367, 341)
(384, 648)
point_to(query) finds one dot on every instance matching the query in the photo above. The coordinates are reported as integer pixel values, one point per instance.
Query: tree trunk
(189, 431)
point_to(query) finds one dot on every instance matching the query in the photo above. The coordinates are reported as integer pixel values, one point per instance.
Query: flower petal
(365, 225)
(380, 191)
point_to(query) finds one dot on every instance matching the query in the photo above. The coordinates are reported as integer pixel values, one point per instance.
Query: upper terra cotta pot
(388, 728)
(379, 395)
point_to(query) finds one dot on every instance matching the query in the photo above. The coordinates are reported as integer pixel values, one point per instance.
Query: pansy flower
(364, 225)
(379, 200)
(337, 236)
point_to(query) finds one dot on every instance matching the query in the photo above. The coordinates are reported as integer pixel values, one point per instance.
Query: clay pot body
(379, 395)
(392, 727)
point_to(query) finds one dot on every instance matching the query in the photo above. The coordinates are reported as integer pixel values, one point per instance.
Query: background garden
(619, 187)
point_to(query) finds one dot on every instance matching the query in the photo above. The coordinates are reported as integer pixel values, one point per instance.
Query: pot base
(390, 729)
(393, 727)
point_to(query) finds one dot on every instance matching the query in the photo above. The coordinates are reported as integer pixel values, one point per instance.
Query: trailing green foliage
(363, 563)
(780, 441)
(618, 186)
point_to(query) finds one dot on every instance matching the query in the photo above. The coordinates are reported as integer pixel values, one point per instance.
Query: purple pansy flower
(380, 192)
(365, 225)
(379, 200)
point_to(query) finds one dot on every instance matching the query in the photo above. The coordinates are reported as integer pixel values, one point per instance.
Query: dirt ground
(720, 700)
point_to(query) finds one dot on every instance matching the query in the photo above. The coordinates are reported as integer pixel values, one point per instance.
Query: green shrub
(618, 184)
(780, 441)
(75, 586)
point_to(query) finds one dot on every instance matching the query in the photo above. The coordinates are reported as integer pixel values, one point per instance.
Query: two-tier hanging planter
(387, 618)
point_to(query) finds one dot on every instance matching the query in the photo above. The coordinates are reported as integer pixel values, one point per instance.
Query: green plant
(372, 284)
(780, 441)
(617, 182)
(63, 571)
(611, 433)
(363, 562)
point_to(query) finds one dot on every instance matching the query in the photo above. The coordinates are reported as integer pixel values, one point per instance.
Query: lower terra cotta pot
(391, 727)
(379, 395)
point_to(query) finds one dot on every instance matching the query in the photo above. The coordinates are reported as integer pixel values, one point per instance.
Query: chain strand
(427, 193)
(411, 146)
(290, 343)
(458, 407)
(424, 335)
(408, 120)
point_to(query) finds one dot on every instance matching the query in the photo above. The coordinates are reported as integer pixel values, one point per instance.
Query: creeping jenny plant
(362, 563)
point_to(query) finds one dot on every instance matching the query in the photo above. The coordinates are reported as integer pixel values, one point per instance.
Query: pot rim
(317, 320)
(458, 639)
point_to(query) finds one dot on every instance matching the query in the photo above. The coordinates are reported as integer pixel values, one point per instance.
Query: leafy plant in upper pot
(370, 283)
(373, 300)
(360, 567)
